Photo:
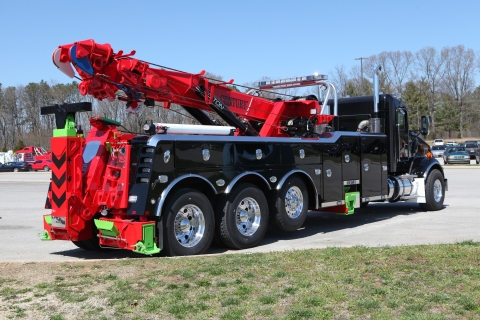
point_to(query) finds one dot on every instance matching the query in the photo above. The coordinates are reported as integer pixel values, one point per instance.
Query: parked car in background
(450, 144)
(456, 155)
(438, 151)
(438, 142)
(15, 166)
(472, 149)
(41, 165)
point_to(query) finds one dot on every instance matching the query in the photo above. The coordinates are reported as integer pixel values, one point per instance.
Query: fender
(422, 166)
(235, 180)
(163, 196)
(285, 177)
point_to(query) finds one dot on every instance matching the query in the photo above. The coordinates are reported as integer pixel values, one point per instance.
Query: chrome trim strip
(374, 198)
(333, 203)
(165, 192)
(285, 177)
(235, 180)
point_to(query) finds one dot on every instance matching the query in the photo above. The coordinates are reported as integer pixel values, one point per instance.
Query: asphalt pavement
(22, 200)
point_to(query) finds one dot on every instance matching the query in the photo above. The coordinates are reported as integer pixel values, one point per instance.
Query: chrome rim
(294, 202)
(248, 216)
(45, 168)
(189, 225)
(437, 191)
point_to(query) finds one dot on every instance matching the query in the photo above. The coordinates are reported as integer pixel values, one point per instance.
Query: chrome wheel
(248, 216)
(294, 202)
(437, 191)
(46, 168)
(189, 225)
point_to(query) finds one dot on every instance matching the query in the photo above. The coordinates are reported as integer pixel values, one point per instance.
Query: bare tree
(385, 77)
(13, 117)
(401, 63)
(459, 75)
(339, 78)
(431, 70)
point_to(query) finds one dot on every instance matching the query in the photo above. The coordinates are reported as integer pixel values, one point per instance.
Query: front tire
(46, 168)
(243, 217)
(15, 169)
(434, 191)
(291, 205)
(189, 223)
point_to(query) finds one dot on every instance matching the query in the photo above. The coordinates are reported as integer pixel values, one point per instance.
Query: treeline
(439, 83)
(22, 124)
(431, 82)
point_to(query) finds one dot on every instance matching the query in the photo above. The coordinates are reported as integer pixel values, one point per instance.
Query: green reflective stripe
(48, 219)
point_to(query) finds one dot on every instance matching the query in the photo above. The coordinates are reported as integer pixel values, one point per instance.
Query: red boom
(104, 73)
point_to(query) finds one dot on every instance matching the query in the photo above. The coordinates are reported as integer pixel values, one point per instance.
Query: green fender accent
(48, 219)
(350, 201)
(44, 236)
(107, 228)
(147, 245)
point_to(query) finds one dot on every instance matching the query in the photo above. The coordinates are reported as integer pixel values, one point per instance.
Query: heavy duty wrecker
(266, 161)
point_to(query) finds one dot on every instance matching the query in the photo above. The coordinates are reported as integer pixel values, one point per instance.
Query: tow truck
(261, 161)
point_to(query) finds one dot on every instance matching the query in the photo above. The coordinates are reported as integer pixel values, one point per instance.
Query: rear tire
(15, 169)
(189, 223)
(434, 191)
(92, 244)
(243, 217)
(291, 205)
(80, 244)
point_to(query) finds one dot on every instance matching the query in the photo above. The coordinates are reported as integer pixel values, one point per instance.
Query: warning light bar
(292, 82)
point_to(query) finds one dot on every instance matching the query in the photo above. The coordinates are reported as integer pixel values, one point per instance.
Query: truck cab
(403, 144)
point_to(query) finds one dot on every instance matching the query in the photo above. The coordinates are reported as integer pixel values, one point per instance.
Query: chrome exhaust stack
(376, 123)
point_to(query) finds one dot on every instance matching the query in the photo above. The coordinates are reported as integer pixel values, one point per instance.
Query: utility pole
(361, 72)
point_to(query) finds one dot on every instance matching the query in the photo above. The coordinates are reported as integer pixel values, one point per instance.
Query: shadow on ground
(317, 223)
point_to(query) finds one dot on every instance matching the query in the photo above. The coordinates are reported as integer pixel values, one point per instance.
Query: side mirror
(425, 125)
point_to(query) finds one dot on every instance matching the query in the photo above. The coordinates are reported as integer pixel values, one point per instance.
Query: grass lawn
(409, 282)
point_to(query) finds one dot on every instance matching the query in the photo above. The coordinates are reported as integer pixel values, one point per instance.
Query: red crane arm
(103, 73)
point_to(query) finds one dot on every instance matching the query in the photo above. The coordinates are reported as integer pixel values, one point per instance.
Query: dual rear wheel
(242, 217)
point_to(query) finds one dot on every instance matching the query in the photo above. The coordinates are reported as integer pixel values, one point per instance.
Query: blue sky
(243, 40)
